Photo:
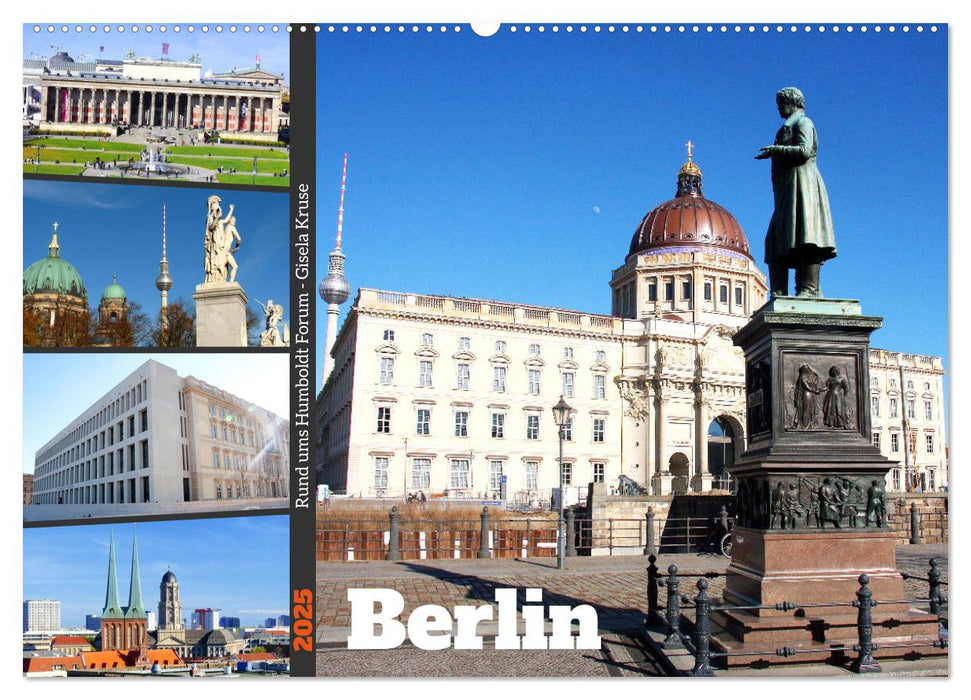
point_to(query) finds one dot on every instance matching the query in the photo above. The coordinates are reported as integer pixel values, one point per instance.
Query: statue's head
(833, 372)
(213, 201)
(788, 100)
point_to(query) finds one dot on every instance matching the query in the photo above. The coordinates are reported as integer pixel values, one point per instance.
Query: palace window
(532, 476)
(424, 418)
(601, 356)
(498, 377)
(893, 407)
(144, 420)
(386, 375)
(459, 474)
(427, 339)
(910, 408)
(928, 410)
(213, 431)
(927, 386)
(739, 295)
(599, 472)
(462, 376)
(568, 429)
(876, 440)
(500, 347)
(567, 469)
(380, 472)
(498, 425)
(567, 353)
(534, 349)
(424, 373)
(384, 419)
(534, 382)
(421, 473)
(388, 335)
(599, 386)
(892, 383)
(461, 424)
(910, 385)
(895, 442)
(929, 443)
(568, 383)
(464, 343)
(599, 426)
(532, 427)
(669, 290)
(896, 479)
(723, 293)
(707, 291)
(652, 291)
(686, 289)
(875, 405)
(495, 475)
(219, 490)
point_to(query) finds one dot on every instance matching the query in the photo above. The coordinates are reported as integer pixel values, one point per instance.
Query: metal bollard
(394, 546)
(571, 533)
(672, 612)
(652, 584)
(865, 663)
(649, 547)
(484, 552)
(702, 632)
(914, 524)
(934, 577)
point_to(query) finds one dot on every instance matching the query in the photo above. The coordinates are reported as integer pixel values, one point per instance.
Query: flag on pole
(165, 49)
(257, 59)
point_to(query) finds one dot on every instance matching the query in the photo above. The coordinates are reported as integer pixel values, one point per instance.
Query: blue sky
(219, 52)
(107, 229)
(49, 406)
(517, 167)
(212, 559)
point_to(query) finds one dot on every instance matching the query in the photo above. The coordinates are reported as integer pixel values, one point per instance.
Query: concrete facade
(144, 442)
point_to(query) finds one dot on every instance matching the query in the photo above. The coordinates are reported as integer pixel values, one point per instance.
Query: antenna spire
(340, 209)
(163, 233)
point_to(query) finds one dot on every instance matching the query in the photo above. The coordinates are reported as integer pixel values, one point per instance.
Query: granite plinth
(220, 314)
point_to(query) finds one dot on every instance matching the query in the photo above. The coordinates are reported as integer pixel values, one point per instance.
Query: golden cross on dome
(55, 227)
(690, 147)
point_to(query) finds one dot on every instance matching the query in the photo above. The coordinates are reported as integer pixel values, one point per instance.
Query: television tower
(334, 288)
(164, 283)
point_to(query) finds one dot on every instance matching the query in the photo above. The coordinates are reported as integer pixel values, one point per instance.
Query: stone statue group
(271, 336)
(222, 240)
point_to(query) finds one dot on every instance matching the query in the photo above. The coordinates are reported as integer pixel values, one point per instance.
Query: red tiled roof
(257, 656)
(67, 640)
(38, 664)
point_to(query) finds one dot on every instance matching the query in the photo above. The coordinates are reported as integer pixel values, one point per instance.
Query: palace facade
(452, 396)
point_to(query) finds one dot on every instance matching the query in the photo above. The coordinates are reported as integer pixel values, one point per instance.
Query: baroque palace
(452, 396)
(157, 437)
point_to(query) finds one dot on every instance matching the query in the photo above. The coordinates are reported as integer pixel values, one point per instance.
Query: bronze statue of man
(800, 234)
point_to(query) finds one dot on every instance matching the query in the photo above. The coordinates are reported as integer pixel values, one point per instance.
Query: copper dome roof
(689, 218)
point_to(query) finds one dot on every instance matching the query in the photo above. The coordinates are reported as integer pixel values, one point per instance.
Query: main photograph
(549, 332)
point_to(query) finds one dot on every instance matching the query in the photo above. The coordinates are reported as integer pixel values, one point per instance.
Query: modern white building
(42, 615)
(156, 437)
(452, 396)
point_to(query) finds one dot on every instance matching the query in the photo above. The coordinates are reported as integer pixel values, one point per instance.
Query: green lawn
(30, 168)
(240, 179)
(67, 155)
(241, 164)
(230, 152)
(92, 145)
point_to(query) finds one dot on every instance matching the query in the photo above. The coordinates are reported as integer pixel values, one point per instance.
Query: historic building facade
(453, 396)
(155, 437)
(158, 93)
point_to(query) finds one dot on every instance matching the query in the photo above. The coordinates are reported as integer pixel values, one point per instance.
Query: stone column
(151, 113)
(663, 478)
(702, 478)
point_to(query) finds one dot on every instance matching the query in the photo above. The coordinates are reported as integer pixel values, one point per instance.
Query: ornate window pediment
(568, 364)
(464, 355)
(534, 362)
(426, 351)
(500, 359)
(387, 349)
(599, 367)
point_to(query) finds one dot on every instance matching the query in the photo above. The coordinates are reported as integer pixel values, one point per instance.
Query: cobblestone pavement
(615, 586)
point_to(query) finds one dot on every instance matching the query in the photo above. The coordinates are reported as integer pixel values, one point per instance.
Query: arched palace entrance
(724, 447)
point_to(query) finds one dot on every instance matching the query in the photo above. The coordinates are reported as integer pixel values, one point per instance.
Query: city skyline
(70, 564)
(94, 219)
(93, 375)
(219, 51)
(536, 185)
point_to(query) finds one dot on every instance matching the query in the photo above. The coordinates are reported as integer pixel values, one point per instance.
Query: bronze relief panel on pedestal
(788, 502)
(820, 392)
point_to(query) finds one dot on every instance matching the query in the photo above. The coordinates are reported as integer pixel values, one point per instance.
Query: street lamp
(561, 415)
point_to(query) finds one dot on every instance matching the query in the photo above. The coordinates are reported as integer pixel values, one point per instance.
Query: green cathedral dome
(114, 290)
(54, 275)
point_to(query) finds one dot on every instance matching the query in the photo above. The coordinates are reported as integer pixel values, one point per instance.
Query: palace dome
(114, 291)
(53, 274)
(169, 577)
(689, 219)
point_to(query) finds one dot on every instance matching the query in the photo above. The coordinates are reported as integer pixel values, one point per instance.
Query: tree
(181, 331)
(130, 330)
(69, 329)
(253, 329)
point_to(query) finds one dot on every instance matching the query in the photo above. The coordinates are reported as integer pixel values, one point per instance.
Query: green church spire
(112, 608)
(135, 609)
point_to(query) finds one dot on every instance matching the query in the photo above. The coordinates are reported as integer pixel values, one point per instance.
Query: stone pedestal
(810, 510)
(663, 483)
(220, 315)
(701, 483)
